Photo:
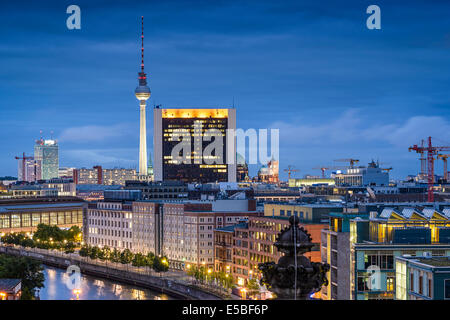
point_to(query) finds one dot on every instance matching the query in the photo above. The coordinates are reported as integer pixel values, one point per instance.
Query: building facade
(23, 215)
(241, 247)
(335, 250)
(47, 153)
(377, 241)
(422, 278)
(191, 125)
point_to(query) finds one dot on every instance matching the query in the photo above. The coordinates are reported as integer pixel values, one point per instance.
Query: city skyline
(315, 73)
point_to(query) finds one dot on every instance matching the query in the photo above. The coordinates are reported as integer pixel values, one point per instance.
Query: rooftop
(9, 284)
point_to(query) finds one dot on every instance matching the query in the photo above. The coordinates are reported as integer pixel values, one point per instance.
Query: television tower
(142, 93)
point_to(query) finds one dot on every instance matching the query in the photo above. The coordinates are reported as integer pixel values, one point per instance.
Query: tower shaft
(143, 140)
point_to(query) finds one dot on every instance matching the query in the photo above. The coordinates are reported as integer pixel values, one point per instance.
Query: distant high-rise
(47, 152)
(167, 121)
(142, 93)
(29, 170)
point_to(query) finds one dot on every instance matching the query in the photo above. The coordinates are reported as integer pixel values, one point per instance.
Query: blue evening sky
(310, 68)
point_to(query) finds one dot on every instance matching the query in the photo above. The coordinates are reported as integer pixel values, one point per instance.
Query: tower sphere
(142, 93)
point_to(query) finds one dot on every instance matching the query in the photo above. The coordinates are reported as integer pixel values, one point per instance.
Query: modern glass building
(47, 152)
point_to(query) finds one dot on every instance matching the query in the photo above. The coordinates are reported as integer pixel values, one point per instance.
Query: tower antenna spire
(142, 48)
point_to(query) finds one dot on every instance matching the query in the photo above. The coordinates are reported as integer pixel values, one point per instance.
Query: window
(281, 212)
(420, 284)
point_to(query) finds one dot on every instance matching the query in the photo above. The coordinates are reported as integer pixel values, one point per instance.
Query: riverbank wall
(121, 273)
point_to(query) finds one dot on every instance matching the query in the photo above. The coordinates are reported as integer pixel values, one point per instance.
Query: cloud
(412, 131)
(126, 158)
(353, 127)
(95, 133)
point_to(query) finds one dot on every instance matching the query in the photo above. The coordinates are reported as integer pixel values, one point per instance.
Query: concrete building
(65, 187)
(335, 250)
(181, 231)
(47, 153)
(377, 241)
(372, 175)
(24, 215)
(33, 191)
(171, 125)
(422, 278)
(109, 223)
(315, 212)
(29, 169)
(160, 190)
(188, 228)
(99, 175)
(241, 247)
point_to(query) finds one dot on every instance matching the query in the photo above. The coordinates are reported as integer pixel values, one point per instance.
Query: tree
(115, 255)
(126, 256)
(253, 286)
(94, 252)
(106, 253)
(26, 269)
(84, 251)
(160, 264)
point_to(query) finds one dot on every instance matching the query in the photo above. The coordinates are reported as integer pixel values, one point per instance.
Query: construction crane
(323, 169)
(289, 170)
(24, 158)
(387, 169)
(431, 151)
(352, 162)
(444, 158)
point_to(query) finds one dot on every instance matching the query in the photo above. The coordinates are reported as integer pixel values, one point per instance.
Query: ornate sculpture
(291, 279)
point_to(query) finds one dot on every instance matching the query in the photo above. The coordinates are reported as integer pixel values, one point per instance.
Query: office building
(193, 124)
(99, 175)
(335, 251)
(377, 241)
(29, 169)
(315, 212)
(160, 190)
(24, 215)
(422, 278)
(109, 223)
(47, 153)
(372, 175)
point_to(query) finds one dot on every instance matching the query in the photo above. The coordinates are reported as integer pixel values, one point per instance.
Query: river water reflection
(92, 288)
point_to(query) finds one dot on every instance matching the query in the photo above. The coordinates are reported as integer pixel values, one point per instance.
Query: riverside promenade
(174, 283)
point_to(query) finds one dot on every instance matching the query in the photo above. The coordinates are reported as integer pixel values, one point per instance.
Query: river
(92, 288)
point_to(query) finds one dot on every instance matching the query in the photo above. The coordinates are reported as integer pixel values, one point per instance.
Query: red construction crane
(289, 170)
(431, 152)
(23, 158)
(444, 158)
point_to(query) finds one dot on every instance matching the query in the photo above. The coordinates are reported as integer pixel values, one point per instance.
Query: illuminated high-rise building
(142, 93)
(29, 170)
(47, 153)
(193, 121)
